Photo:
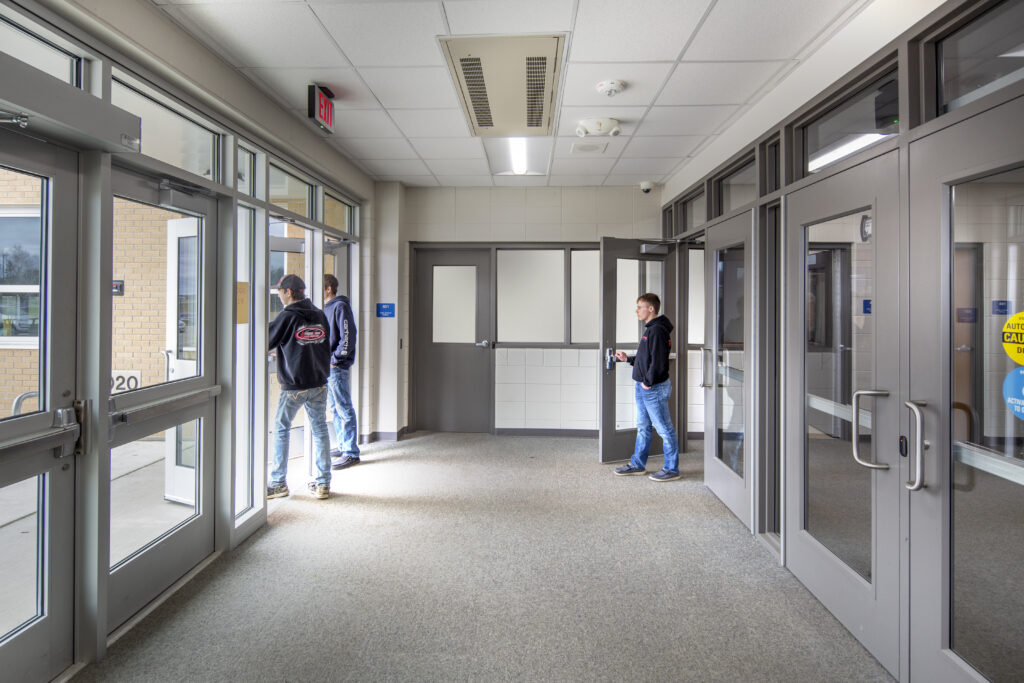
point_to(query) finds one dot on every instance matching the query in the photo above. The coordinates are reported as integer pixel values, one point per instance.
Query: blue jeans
(652, 410)
(343, 413)
(288, 406)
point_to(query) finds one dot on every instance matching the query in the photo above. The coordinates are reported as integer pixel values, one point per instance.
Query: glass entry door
(630, 268)
(966, 469)
(725, 359)
(842, 331)
(38, 424)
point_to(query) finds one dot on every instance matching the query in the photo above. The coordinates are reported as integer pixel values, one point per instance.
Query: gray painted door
(842, 531)
(626, 273)
(967, 519)
(453, 364)
(726, 358)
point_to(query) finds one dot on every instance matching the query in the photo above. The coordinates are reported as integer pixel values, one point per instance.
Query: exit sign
(321, 108)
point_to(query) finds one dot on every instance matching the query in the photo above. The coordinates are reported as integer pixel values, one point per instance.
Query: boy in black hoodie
(299, 334)
(653, 389)
(339, 387)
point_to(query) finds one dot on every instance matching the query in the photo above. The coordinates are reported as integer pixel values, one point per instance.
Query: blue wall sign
(1000, 307)
(1013, 392)
(867, 307)
(385, 310)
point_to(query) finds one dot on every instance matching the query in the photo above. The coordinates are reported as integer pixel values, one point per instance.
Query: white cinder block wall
(542, 388)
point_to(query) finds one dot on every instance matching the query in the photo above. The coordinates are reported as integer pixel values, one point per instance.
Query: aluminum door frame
(737, 494)
(870, 611)
(976, 147)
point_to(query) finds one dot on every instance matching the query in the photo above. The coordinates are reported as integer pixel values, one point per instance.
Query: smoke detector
(611, 87)
(598, 127)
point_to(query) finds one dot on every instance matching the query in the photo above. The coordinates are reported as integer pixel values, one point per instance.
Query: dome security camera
(646, 186)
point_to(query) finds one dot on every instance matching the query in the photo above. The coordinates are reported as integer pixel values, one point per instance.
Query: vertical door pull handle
(855, 437)
(919, 446)
(703, 368)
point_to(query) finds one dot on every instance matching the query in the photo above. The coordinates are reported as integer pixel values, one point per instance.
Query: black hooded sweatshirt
(650, 364)
(300, 334)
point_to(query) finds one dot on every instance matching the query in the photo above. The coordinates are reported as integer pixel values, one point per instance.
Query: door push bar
(856, 428)
(920, 446)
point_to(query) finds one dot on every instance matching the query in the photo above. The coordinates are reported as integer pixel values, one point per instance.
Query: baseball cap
(292, 282)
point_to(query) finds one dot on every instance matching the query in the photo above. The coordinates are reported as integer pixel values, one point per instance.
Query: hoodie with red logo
(301, 336)
(650, 364)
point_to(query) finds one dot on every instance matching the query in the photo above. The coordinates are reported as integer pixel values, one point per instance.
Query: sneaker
(321, 491)
(279, 491)
(627, 470)
(342, 463)
(663, 475)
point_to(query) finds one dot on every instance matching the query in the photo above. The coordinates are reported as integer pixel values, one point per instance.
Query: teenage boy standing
(339, 386)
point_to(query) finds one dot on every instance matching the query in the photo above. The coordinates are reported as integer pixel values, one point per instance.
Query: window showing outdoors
(585, 301)
(169, 136)
(39, 53)
(982, 57)
(290, 192)
(868, 117)
(156, 313)
(22, 255)
(245, 171)
(21, 572)
(739, 188)
(337, 213)
(531, 295)
(244, 400)
(694, 212)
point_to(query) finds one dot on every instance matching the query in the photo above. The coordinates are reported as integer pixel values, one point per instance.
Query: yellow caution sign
(1013, 338)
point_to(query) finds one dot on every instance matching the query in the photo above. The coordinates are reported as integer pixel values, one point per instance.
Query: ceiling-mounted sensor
(611, 87)
(598, 127)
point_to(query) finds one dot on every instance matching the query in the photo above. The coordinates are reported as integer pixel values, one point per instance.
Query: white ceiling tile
(576, 180)
(289, 86)
(378, 148)
(754, 29)
(396, 167)
(278, 35)
(449, 148)
(412, 180)
(431, 123)
(717, 82)
(685, 120)
(643, 81)
(634, 30)
(654, 167)
(481, 17)
(612, 147)
(627, 117)
(581, 166)
(520, 180)
(458, 166)
(465, 180)
(416, 88)
(363, 123)
(665, 146)
(385, 33)
(630, 179)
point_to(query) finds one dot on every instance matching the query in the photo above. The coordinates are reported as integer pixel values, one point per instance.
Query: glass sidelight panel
(245, 468)
(729, 350)
(21, 563)
(838, 360)
(987, 424)
(153, 488)
(22, 316)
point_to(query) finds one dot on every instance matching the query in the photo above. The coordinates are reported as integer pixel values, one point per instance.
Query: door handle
(855, 437)
(919, 446)
(703, 368)
(484, 344)
(609, 358)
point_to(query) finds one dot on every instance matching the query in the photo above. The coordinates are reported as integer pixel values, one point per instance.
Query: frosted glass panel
(35, 52)
(695, 308)
(627, 289)
(586, 300)
(454, 304)
(531, 295)
(653, 278)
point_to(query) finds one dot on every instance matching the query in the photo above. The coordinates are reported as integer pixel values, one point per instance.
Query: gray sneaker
(321, 491)
(342, 463)
(279, 491)
(627, 470)
(664, 475)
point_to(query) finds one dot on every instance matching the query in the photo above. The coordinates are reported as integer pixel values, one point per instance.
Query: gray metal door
(453, 364)
(726, 364)
(967, 375)
(842, 399)
(630, 268)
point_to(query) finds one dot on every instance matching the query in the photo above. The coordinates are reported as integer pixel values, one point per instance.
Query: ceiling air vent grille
(476, 88)
(536, 82)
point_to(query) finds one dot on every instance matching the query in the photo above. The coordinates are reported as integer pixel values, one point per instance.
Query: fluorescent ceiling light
(517, 150)
(845, 150)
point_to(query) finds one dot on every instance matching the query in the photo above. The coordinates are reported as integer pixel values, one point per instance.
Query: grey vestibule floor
(475, 557)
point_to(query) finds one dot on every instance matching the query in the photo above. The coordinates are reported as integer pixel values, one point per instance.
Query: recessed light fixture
(517, 150)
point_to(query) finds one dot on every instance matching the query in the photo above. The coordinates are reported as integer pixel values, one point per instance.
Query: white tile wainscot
(546, 388)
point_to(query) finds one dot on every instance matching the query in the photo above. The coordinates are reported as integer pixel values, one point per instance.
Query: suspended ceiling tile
(431, 123)
(289, 86)
(628, 117)
(482, 17)
(378, 148)
(754, 29)
(665, 146)
(643, 81)
(685, 120)
(278, 35)
(634, 30)
(448, 148)
(458, 166)
(411, 88)
(612, 147)
(520, 180)
(411, 180)
(717, 82)
(385, 33)
(465, 180)
(363, 123)
(396, 167)
(630, 179)
(653, 167)
(581, 166)
(577, 180)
